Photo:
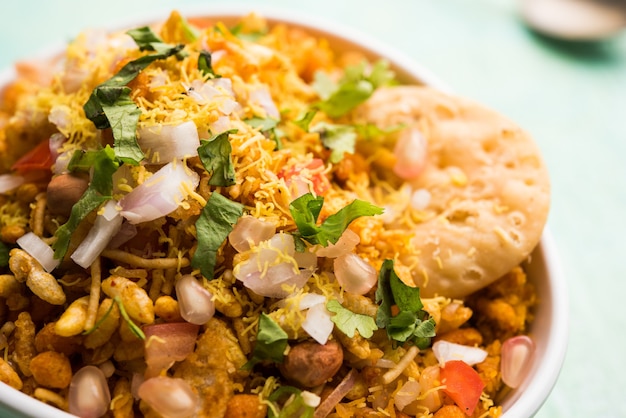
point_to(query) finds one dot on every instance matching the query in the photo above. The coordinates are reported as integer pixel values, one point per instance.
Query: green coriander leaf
(110, 105)
(216, 221)
(323, 85)
(355, 87)
(271, 342)
(294, 405)
(381, 74)
(268, 126)
(4, 255)
(90, 201)
(123, 115)
(411, 323)
(305, 120)
(306, 209)
(334, 226)
(263, 124)
(146, 39)
(133, 327)
(371, 131)
(204, 63)
(340, 139)
(251, 36)
(384, 296)
(100, 188)
(407, 298)
(348, 96)
(216, 157)
(349, 322)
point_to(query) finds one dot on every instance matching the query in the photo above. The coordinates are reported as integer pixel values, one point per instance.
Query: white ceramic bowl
(550, 328)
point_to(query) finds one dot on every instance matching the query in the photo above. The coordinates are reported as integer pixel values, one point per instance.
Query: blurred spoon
(576, 20)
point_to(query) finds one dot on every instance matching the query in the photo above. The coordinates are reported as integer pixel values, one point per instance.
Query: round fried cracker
(489, 188)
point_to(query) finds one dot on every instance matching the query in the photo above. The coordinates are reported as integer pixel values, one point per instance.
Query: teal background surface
(570, 97)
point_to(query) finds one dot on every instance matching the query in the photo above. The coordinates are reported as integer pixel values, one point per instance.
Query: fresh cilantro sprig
(271, 342)
(356, 86)
(205, 64)
(110, 104)
(306, 209)
(269, 128)
(411, 323)
(294, 405)
(340, 139)
(216, 221)
(104, 163)
(349, 322)
(216, 157)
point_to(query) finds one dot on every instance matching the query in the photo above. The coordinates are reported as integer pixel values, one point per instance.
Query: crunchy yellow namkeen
(215, 220)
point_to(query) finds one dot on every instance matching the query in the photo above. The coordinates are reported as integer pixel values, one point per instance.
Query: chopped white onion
(39, 250)
(267, 275)
(160, 194)
(410, 152)
(168, 396)
(217, 90)
(261, 97)
(445, 351)
(127, 232)
(10, 182)
(221, 124)
(194, 301)
(318, 323)
(106, 226)
(250, 230)
(60, 116)
(164, 143)
(302, 302)
(310, 399)
(408, 393)
(354, 274)
(420, 199)
(517, 353)
(346, 243)
(89, 394)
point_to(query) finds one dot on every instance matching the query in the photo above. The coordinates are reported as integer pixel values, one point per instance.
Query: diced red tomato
(462, 384)
(38, 159)
(315, 175)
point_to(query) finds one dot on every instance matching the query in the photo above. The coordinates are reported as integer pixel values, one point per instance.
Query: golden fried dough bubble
(488, 185)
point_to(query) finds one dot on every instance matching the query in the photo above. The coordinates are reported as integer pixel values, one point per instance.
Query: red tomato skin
(462, 384)
(38, 158)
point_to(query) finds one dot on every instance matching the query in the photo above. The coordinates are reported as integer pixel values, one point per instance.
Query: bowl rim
(527, 399)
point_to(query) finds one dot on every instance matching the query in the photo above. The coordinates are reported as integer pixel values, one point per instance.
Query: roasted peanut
(63, 192)
(245, 406)
(72, 321)
(136, 301)
(310, 364)
(9, 376)
(106, 327)
(51, 369)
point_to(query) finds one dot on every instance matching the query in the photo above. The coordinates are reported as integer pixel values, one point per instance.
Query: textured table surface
(571, 98)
